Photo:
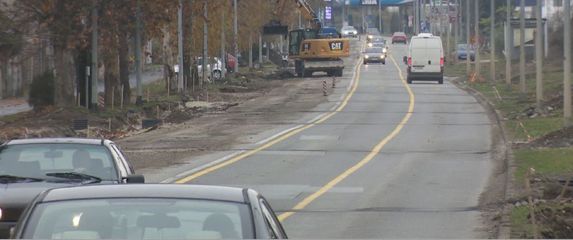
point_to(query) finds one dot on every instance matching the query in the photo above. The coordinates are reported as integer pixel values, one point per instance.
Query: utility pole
(508, 43)
(223, 41)
(380, 16)
(94, 67)
(250, 50)
(539, 58)
(492, 40)
(456, 29)
(205, 46)
(567, 67)
(139, 87)
(477, 39)
(236, 35)
(260, 49)
(468, 38)
(192, 68)
(181, 74)
(522, 46)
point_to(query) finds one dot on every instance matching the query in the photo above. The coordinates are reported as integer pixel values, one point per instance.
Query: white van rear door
(426, 54)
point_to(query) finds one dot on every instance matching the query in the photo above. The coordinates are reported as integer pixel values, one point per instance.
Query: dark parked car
(29, 167)
(399, 37)
(149, 211)
(374, 54)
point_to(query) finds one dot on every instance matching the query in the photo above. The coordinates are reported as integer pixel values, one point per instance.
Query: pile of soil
(559, 139)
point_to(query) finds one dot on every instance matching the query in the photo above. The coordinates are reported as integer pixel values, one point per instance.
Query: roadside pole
(468, 39)
(522, 46)
(567, 67)
(457, 30)
(477, 39)
(139, 87)
(181, 75)
(260, 49)
(539, 58)
(250, 50)
(508, 45)
(191, 44)
(205, 47)
(94, 72)
(492, 40)
(223, 41)
(236, 35)
(380, 16)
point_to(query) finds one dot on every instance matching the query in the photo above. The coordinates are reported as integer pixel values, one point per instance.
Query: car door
(418, 54)
(434, 56)
(273, 224)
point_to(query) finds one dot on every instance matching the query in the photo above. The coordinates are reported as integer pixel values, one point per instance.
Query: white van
(425, 59)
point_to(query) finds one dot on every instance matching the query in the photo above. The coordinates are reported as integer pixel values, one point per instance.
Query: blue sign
(328, 13)
(375, 2)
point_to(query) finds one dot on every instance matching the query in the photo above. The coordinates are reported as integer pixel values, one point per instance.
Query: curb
(504, 227)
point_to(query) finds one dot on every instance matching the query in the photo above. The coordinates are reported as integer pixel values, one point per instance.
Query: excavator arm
(306, 10)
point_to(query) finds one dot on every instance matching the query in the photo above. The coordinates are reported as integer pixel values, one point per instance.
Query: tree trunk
(110, 63)
(3, 79)
(124, 67)
(64, 79)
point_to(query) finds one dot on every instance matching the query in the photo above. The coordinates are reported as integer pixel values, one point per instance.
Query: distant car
(371, 33)
(230, 63)
(28, 167)
(376, 40)
(149, 211)
(374, 54)
(329, 32)
(349, 31)
(214, 68)
(399, 37)
(462, 52)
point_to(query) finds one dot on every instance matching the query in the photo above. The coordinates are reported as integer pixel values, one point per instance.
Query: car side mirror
(405, 59)
(135, 179)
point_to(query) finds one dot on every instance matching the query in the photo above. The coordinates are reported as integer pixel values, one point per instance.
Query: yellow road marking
(305, 202)
(281, 137)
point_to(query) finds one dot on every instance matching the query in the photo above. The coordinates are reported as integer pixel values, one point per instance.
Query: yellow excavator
(311, 50)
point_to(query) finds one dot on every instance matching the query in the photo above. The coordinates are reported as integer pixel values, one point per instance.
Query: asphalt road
(389, 161)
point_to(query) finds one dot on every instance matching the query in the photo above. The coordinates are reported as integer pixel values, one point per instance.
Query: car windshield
(374, 50)
(44, 160)
(139, 218)
(348, 28)
(462, 46)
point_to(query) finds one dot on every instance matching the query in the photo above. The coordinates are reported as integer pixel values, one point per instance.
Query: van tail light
(410, 61)
(442, 61)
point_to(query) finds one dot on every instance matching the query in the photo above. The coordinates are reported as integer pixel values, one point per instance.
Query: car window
(139, 218)
(37, 160)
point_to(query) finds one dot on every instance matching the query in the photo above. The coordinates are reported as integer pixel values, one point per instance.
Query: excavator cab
(296, 37)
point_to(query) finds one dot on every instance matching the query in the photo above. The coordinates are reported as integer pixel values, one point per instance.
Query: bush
(42, 91)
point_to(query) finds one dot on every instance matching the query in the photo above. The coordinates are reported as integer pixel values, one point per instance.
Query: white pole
(236, 35)
(181, 75)
(468, 38)
(567, 63)
(508, 43)
(492, 40)
(539, 58)
(477, 39)
(522, 46)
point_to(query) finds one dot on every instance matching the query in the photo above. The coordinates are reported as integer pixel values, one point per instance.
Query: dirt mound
(558, 139)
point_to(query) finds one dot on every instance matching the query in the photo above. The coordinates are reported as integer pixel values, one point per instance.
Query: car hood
(16, 193)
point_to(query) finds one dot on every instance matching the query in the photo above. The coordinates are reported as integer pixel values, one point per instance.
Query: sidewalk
(13, 105)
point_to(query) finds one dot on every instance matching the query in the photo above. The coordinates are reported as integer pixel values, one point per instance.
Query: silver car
(214, 68)
(349, 31)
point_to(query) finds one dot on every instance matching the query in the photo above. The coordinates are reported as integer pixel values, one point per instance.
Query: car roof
(58, 140)
(216, 193)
